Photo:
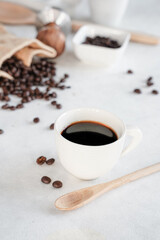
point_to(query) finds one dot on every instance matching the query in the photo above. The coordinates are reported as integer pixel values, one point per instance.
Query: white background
(131, 212)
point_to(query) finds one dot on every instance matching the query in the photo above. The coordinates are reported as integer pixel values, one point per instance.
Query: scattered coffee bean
(12, 108)
(57, 184)
(27, 81)
(62, 80)
(54, 94)
(102, 42)
(52, 126)
(19, 106)
(58, 106)
(130, 72)
(149, 84)
(149, 79)
(66, 75)
(50, 161)
(5, 106)
(53, 102)
(1, 131)
(46, 180)
(137, 90)
(62, 87)
(41, 160)
(155, 92)
(36, 120)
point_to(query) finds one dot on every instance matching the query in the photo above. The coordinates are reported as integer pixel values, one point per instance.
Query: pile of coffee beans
(47, 180)
(27, 80)
(102, 42)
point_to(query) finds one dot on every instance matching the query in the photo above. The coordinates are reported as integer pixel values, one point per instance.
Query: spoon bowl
(74, 200)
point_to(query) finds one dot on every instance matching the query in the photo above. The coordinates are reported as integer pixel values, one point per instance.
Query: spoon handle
(105, 187)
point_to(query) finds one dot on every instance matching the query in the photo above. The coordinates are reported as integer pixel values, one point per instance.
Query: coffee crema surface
(89, 133)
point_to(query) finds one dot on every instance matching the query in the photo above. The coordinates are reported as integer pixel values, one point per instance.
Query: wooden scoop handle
(83, 196)
(15, 14)
(135, 37)
(102, 188)
(131, 177)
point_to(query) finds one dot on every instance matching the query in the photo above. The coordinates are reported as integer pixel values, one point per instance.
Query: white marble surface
(130, 212)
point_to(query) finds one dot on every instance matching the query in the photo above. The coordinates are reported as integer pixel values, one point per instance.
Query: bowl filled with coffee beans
(99, 45)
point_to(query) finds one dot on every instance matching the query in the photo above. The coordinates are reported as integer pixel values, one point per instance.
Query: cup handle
(136, 135)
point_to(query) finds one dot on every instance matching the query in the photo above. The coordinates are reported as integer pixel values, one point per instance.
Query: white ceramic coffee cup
(90, 162)
(107, 12)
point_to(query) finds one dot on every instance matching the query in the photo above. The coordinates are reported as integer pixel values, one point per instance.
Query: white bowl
(97, 55)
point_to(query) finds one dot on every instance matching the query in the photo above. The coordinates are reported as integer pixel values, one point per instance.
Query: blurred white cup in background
(107, 12)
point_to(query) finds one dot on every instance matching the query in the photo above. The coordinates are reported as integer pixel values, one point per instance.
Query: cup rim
(93, 109)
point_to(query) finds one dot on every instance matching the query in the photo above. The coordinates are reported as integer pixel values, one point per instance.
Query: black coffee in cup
(89, 133)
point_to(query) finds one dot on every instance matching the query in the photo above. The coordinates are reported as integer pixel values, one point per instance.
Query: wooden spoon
(11, 13)
(83, 196)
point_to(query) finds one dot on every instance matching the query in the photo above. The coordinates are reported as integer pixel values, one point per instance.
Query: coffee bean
(66, 75)
(50, 161)
(53, 102)
(47, 98)
(58, 106)
(12, 108)
(41, 160)
(19, 106)
(6, 98)
(57, 184)
(36, 120)
(62, 80)
(137, 90)
(52, 126)
(46, 180)
(155, 92)
(5, 106)
(1, 131)
(62, 87)
(54, 94)
(149, 79)
(130, 72)
(149, 84)
(48, 89)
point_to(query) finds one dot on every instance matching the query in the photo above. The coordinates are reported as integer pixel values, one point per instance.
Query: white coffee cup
(107, 12)
(90, 162)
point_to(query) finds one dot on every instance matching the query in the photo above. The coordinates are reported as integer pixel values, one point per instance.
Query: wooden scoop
(11, 13)
(83, 196)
